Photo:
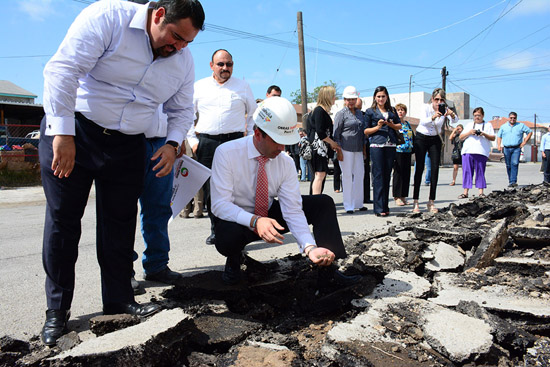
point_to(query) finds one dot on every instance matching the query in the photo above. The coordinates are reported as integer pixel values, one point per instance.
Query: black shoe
(513, 185)
(546, 183)
(349, 211)
(332, 276)
(55, 326)
(132, 308)
(345, 280)
(232, 272)
(369, 201)
(211, 240)
(363, 209)
(165, 276)
(137, 287)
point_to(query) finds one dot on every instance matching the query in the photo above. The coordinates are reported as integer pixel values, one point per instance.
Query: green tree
(312, 96)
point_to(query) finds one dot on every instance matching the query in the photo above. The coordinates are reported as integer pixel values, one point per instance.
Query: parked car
(6, 138)
(33, 135)
(496, 156)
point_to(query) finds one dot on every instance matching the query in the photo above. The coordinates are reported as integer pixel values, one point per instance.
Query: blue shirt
(407, 132)
(105, 69)
(545, 142)
(512, 135)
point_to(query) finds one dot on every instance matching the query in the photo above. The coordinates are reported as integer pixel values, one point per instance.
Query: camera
(442, 108)
(478, 132)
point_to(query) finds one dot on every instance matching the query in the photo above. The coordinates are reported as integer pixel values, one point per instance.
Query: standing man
(118, 62)
(247, 174)
(224, 106)
(545, 150)
(273, 91)
(510, 141)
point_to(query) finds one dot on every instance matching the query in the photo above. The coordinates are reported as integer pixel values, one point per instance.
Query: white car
(33, 135)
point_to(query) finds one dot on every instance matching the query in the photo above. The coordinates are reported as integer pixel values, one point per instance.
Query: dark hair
(181, 9)
(260, 130)
(480, 109)
(221, 49)
(272, 87)
(379, 89)
(439, 91)
(513, 113)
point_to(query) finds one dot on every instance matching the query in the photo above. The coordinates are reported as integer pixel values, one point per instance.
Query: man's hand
(194, 148)
(167, 155)
(544, 155)
(268, 230)
(499, 148)
(64, 153)
(321, 256)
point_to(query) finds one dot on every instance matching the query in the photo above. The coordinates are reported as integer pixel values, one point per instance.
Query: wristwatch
(174, 144)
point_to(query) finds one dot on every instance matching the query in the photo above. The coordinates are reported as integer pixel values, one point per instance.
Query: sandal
(462, 196)
(452, 183)
(416, 209)
(399, 202)
(431, 208)
(481, 195)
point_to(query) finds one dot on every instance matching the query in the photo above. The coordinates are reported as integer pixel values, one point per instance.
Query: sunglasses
(228, 64)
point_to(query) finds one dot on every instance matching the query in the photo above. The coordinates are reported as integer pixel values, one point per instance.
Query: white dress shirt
(428, 127)
(222, 108)
(233, 187)
(477, 144)
(104, 68)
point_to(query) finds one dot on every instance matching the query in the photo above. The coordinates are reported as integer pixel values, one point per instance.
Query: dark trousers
(401, 174)
(116, 163)
(547, 166)
(337, 175)
(382, 162)
(366, 179)
(320, 211)
(432, 145)
(205, 156)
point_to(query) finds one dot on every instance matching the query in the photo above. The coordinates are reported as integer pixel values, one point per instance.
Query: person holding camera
(477, 137)
(428, 139)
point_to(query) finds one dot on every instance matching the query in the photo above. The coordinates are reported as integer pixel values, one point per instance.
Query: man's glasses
(228, 64)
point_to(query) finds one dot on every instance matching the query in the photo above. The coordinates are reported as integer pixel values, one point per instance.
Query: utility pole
(444, 74)
(303, 87)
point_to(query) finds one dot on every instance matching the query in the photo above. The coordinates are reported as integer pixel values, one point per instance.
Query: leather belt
(80, 117)
(223, 137)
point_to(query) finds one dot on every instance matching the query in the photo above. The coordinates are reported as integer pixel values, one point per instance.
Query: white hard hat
(277, 118)
(350, 92)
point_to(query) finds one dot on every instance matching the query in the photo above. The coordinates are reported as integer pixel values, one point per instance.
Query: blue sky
(496, 50)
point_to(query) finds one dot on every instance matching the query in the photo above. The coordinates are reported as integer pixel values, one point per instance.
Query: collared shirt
(349, 130)
(428, 127)
(233, 187)
(545, 142)
(512, 135)
(477, 144)
(222, 108)
(104, 68)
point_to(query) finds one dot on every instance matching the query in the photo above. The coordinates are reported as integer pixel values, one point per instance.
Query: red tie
(262, 194)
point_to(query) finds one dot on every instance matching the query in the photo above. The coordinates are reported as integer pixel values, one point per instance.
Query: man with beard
(224, 106)
(118, 62)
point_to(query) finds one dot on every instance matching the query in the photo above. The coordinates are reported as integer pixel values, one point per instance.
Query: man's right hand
(321, 256)
(64, 153)
(268, 230)
(499, 148)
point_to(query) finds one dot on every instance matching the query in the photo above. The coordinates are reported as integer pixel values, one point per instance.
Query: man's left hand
(268, 230)
(167, 155)
(321, 256)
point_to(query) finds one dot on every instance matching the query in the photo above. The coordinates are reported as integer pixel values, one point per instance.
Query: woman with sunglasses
(382, 122)
(428, 139)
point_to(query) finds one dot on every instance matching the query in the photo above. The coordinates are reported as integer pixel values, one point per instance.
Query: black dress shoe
(363, 209)
(345, 280)
(211, 240)
(332, 276)
(165, 276)
(132, 308)
(349, 211)
(232, 272)
(55, 326)
(137, 287)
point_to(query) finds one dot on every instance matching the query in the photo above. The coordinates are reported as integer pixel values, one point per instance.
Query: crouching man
(247, 175)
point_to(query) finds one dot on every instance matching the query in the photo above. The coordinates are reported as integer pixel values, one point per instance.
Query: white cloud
(532, 7)
(519, 61)
(38, 10)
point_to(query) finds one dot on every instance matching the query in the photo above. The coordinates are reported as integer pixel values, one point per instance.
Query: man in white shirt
(235, 202)
(118, 62)
(224, 106)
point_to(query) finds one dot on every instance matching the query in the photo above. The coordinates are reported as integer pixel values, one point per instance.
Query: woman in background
(402, 164)
(456, 155)
(382, 123)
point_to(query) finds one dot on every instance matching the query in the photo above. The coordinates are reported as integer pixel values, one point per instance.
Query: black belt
(80, 117)
(513, 146)
(223, 137)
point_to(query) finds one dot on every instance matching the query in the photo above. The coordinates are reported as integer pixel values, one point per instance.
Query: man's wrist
(309, 248)
(174, 144)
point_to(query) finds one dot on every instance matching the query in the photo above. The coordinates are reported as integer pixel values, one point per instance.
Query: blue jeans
(511, 157)
(305, 167)
(382, 163)
(155, 212)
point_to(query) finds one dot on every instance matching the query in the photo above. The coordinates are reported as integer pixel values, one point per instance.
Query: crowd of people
(119, 116)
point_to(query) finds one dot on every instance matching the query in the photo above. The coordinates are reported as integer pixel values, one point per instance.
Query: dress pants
(547, 166)
(352, 179)
(116, 163)
(155, 212)
(337, 182)
(205, 156)
(320, 211)
(401, 174)
(366, 180)
(432, 145)
(511, 157)
(382, 163)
